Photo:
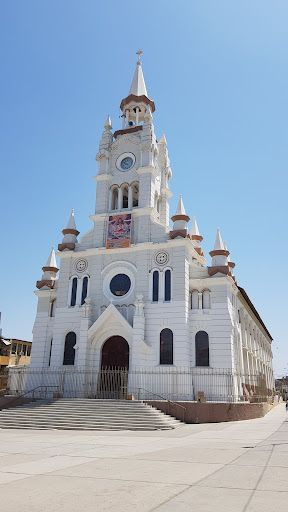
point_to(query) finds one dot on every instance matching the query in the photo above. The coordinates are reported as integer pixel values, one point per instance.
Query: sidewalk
(235, 467)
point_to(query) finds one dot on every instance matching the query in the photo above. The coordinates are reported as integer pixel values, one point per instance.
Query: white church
(135, 295)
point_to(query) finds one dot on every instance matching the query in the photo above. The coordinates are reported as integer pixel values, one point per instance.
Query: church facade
(132, 293)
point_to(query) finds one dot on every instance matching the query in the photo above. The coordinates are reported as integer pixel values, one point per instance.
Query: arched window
(114, 204)
(135, 194)
(74, 291)
(156, 202)
(206, 299)
(84, 289)
(50, 352)
(166, 346)
(52, 307)
(69, 351)
(167, 294)
(155, 292)
(125, 196)
(194, 300)
(202, 348)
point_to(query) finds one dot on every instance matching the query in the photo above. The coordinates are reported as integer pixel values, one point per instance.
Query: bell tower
(134, 168)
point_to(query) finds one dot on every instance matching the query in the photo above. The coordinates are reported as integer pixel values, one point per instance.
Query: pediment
(110, 316)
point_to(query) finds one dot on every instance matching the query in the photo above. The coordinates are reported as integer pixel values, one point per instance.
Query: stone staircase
(86, 414)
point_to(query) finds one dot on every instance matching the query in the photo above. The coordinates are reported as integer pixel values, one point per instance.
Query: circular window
(120, 285)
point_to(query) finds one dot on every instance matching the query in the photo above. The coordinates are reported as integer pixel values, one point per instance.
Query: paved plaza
(235, 467)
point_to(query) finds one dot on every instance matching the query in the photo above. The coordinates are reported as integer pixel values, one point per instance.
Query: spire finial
(139, 53)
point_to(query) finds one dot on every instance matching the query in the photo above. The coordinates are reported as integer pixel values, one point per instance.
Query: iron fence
(177, 384)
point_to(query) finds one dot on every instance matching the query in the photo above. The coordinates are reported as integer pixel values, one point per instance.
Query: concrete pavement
(235, 467)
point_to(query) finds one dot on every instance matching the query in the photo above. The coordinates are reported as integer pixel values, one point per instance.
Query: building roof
(6, 342)
(254, 310)
(22, 341)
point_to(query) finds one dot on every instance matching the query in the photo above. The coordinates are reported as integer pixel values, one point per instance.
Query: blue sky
(217, 71)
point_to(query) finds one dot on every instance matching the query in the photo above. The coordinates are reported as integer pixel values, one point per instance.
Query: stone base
(212, 412)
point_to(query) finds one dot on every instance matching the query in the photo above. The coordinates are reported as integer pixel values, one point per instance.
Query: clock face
(126, 163)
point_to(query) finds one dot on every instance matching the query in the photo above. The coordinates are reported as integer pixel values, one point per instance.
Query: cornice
(149, 169)
(102, 177)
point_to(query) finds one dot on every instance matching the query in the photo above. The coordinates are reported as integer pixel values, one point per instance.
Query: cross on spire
(139, 53)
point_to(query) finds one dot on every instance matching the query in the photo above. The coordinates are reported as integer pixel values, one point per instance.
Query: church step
(76, 418)
(89, 414)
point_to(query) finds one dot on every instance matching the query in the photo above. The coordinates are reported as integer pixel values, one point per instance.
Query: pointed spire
(51, 262)
(230, 263)
(108, 124)
(195, 230)
(163, 139)
(71, 222)
(49, 272)
(196, 238)
(180, 208)
(132, 105)
(138, 87)
(219, 254)
(180, 220)
(225, 249)
(218, 246)
(70, 235)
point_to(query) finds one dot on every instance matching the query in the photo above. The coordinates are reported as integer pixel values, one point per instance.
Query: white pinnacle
(148, 114)
(180, 208)
(195, 230)
(138, 87)
(219, 246)
(71, 223)
(108, 124)
(225, 248)
(163, 140)
(51, 262)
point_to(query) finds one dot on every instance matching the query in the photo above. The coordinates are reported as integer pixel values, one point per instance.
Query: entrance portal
(115, 353)
(114, 369)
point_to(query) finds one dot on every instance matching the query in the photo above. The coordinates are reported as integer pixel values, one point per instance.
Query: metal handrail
(26, 393)
(166, 400)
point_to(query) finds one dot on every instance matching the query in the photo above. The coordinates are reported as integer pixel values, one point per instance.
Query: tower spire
(70, 235)
(180, 220)
(196, 238)
(134, 106)
(49, 272)
(138, 87)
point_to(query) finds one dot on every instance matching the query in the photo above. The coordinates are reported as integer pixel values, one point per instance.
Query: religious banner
(119, 231)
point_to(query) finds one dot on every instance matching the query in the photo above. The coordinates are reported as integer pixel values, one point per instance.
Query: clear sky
(217, 71)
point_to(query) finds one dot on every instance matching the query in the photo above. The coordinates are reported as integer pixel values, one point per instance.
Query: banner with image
(119, 231)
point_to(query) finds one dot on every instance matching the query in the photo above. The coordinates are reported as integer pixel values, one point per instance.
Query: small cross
(139, 53)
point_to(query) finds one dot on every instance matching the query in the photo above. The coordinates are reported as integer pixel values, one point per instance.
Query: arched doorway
(115, 353)
(114, 369)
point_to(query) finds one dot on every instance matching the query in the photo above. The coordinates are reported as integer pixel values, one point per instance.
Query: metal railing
(166, 400)
(174, 384)
(31, 393)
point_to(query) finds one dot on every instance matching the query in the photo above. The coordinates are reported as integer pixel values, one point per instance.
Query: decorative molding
(180, 217)
(49, 283)
(137, 99)
(179, 232)
(219, 252)
(70, 232)
(133, 129)
(69, 246)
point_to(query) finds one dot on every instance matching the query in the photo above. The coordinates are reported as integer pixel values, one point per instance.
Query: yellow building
(14, 353)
